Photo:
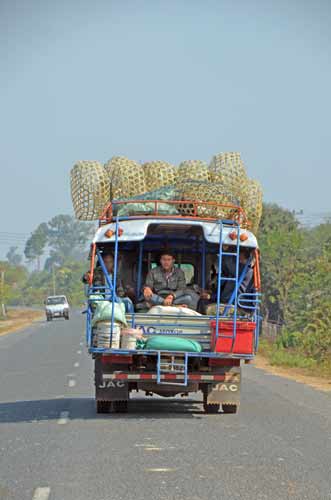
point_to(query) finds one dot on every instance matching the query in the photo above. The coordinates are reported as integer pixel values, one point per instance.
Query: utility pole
(2, 295)
(53, 279)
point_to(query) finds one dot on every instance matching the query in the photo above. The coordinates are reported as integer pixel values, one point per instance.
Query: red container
(244, 343)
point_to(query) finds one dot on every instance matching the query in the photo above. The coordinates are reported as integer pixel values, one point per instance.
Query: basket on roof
(207, 192)
(192, 170)
(89, 189)
(158, 174)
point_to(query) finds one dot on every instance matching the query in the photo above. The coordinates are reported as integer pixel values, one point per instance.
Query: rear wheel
(120, 406)
(229, 408)
(49, 318)
(103, 406)
(211, 409)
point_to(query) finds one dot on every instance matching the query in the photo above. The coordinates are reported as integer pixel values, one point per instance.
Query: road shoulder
(320, 383)
(18, 319)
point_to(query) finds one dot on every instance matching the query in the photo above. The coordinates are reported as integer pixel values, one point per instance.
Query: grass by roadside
(19, 318)
(292, 364)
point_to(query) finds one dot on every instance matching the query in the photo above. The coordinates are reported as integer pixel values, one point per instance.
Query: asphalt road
(54, 446)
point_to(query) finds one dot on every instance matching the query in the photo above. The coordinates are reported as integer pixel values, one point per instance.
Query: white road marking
(63, 418)
(76, 365)
(72, 383)
(41, 494)
(80, 343)
(152, 448)
(160, 469)
(79, 352)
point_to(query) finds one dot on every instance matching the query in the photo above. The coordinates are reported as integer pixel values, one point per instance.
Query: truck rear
(227, 333)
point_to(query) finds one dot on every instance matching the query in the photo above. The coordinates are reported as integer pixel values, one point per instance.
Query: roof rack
(187, 209)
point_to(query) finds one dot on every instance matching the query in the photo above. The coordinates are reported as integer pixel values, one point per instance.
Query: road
(54, 446)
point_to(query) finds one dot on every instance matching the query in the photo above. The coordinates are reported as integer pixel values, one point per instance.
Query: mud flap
(107, 389)
(227, 392)
(112, 390)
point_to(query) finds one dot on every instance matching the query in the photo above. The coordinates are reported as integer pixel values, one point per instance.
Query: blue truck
(228, 333)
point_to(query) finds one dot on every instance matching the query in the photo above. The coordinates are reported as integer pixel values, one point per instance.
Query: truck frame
(229, 337)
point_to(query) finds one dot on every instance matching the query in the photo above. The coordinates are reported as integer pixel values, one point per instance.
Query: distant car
(56, 306)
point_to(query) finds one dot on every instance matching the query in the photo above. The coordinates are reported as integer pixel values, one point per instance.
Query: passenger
(99, 280)
(209, 296)
(166, 285)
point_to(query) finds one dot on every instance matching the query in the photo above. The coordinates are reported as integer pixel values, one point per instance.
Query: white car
(56, 306)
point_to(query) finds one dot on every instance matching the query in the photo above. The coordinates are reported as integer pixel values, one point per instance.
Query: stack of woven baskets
(224, 181)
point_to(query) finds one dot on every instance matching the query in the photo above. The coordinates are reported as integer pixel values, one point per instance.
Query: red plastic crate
(244, 343)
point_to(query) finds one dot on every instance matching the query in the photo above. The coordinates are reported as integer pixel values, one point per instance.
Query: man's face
(167, 262)
(109, 262)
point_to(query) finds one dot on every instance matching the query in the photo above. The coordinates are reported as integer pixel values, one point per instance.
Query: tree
(35, 245)
(14, 258)
(67, 239)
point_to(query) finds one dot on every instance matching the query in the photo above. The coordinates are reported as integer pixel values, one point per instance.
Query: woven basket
(228, 169)
(193, 170)
(253, 203)
(205, 191)
(126, 177)
(89, 189)
(158, 174)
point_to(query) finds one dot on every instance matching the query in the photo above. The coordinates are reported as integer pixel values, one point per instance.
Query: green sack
(172, 343)
(102, 311)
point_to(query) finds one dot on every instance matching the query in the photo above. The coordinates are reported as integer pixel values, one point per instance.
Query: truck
(228, 333)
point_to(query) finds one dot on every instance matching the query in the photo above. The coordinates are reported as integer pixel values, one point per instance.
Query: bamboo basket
(193, 170)
(229, 170)
(89, 189)
(253, 203)
(206, 191)
(126, 177)
(158, 174)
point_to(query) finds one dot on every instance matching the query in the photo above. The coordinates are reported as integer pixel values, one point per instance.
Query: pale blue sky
(162, 79)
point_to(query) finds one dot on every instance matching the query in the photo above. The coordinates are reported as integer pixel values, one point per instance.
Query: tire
(66, 316)
(120, 406)
(49, 318)
(103, 406)
(229, 408)
(211, 409)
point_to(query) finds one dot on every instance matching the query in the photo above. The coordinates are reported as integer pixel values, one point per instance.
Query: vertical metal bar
(158, 368)
(140, 265)
(186, 368)
(114, 282)
(203, 264)
(236, 287)
(219, 275)
(88, 326)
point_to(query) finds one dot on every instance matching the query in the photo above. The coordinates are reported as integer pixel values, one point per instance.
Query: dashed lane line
(41, 493)
(76, 365)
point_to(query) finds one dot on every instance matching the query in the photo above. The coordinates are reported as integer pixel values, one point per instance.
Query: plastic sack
(102, 311)
(177, 311)
(172, 343)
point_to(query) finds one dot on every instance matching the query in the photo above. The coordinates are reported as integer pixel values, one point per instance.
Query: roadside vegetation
(56, 258)
(296, 273)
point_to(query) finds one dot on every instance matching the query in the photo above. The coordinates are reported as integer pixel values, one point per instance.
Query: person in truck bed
(166, 285)
(100, 280)
(209, 296)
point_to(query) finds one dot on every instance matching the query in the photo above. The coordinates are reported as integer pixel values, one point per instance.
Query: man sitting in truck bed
(99, 279)
(166, 285)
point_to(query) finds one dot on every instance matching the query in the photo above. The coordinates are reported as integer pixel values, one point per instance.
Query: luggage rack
(196, 208)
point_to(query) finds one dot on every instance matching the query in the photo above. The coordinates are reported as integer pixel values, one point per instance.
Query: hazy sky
(162, 79)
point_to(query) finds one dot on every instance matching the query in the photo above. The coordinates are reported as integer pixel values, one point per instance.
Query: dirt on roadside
(320, 383)
(19, 318)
